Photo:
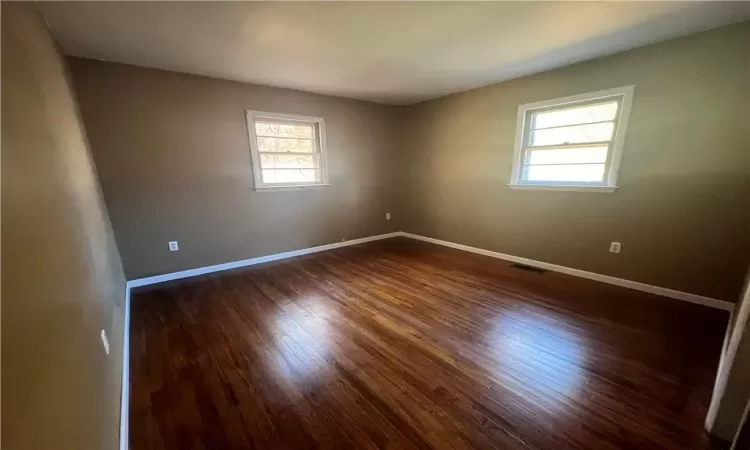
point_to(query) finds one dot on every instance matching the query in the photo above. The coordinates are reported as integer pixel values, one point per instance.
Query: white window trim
(255, 154)
(610, 181)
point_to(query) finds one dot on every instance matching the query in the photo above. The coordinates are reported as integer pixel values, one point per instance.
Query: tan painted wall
(682, 212)
(62, 280)
(173, 155)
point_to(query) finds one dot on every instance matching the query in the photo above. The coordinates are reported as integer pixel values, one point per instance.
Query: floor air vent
(527, 268)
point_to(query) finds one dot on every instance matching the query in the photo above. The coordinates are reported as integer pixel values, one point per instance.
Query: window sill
(290, 187)
(548, 187)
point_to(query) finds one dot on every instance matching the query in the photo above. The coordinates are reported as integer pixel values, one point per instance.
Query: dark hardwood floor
(401, 344)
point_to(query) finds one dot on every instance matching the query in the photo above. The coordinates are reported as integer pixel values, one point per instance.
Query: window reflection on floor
(538, 354)
(301, 342)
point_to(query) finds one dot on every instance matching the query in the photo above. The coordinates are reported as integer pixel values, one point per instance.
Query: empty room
(375, 225)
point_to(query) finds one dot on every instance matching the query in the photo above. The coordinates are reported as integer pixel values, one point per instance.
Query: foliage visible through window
(571, 143)
(287, 150)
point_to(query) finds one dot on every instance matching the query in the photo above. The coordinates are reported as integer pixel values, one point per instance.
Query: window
(572, 143)
(287, 151)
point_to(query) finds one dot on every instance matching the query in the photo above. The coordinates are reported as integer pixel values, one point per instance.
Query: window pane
(290, 175)
(573, 135)
(572, 116)
(288, 161)
(270, 144)
(573, 172)
(292, 130)
(567, 155)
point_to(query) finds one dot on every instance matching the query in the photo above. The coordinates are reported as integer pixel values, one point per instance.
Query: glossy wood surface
(402, 344)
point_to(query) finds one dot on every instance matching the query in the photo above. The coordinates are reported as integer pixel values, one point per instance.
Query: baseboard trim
(253, 261)
(125, 388)
(651, 289)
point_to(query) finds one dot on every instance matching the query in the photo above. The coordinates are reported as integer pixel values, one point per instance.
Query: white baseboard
(252, 261)
(666, 292)
(651, 289)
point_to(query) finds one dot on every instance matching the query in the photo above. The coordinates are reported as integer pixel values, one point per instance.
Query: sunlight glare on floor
(546, 356)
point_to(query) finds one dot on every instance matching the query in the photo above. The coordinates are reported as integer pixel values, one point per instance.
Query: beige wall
(682, 211)
(62, 279)
(173, 156)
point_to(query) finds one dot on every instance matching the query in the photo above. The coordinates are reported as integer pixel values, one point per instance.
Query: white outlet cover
(105, 342)
(387, 216)
(173, 246)
(615, 247)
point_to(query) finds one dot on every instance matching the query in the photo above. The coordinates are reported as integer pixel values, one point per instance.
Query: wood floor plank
(399, 344)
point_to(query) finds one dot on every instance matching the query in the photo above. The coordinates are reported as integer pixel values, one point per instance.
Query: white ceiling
(387, 52)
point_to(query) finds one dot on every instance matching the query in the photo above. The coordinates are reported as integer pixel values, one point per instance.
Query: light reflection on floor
(540, 354)
(301, 338)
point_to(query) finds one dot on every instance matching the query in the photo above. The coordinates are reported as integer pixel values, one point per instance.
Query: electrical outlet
(173, 247)
(343, 239)
(615, 247)
(105, 342)
(387, 216)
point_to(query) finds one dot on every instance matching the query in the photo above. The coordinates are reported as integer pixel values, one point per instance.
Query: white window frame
(624, 95)
(319, 123)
